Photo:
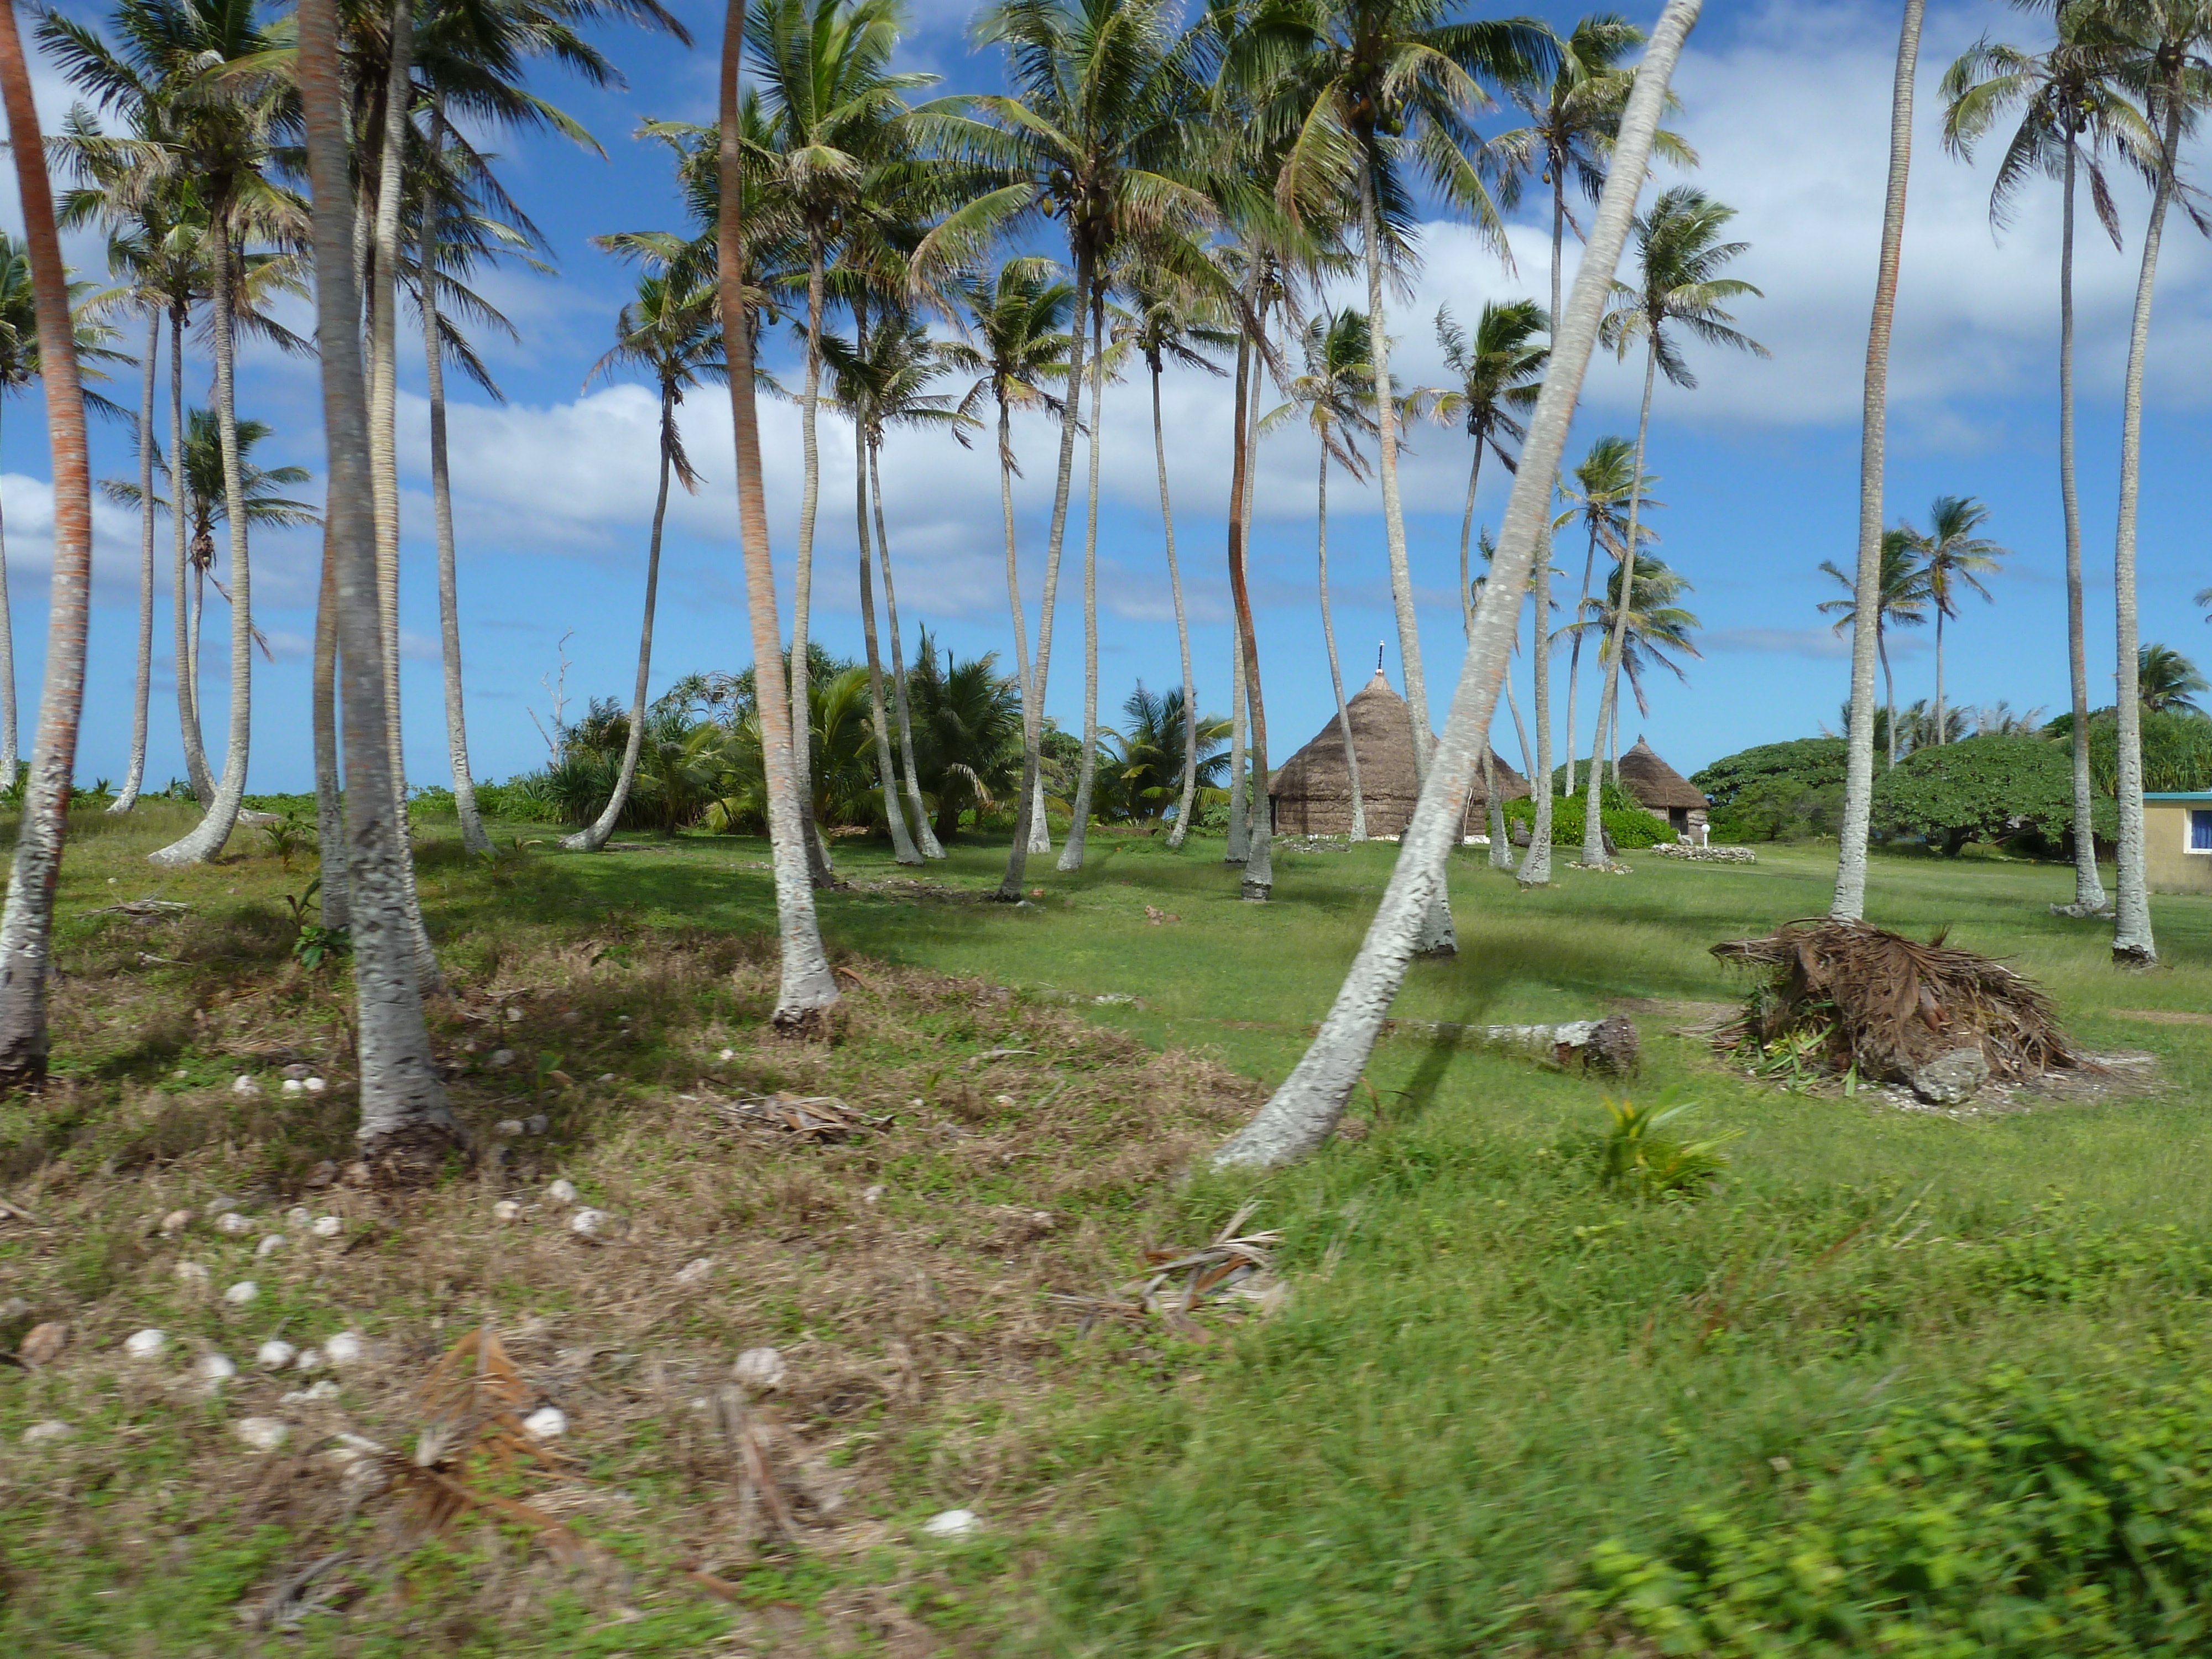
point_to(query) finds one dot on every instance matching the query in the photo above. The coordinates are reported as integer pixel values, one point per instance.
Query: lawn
(1903, 1383)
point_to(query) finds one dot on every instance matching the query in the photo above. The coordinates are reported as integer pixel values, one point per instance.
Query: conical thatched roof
(1657, 785)
(1312, 790)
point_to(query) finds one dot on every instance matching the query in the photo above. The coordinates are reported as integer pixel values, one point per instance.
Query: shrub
(1626, 821)
(1988, 789)
(1777, 791)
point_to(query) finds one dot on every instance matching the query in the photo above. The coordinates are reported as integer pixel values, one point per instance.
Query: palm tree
(1650, 632)
(1679, 285)
(1849, 903)
(2167, 46)
(1384, 86)
(1573, 107)
(1601, 484)
(1902, 602)
(2166, 681)
(26, 922)
(1501, 856)
(809, 989)
(1952, 557)
(1018, 339)
(1338, 393)
(1500, 371)
(969, 721)
(1147, 775)
(1169, 318)
(2072, 108)
(1303, 1111)
(670, 333)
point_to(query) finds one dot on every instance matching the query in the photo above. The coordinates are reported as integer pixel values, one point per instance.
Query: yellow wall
(2170, 866)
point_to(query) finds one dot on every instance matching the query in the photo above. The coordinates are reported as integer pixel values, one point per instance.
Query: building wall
(2167, 862)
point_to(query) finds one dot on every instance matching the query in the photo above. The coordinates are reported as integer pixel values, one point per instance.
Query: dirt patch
(2161, 1016)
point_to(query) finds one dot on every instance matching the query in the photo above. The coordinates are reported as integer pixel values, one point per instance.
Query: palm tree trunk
(925, 836)
(206, 838)
(1494, 813)
(473, 837)
(1029, 816)
(1328, 639)
(384, 377)
(2088, 885)
(809, 989)
(9, 723)
(1304, 1112)
(26, 924)
(1536, 865)
(1437, 938)
(1029, 809)
(594, 836)
(1239, 847)
(1849, 902)
(2132, 944)
(188, 660)
(1189, 797)
(1258, 879)
(802, 593)
(1070, 850)
(1575, 655)
(141, 689)
(1594, 801)
(1940, 733)
(330, 806)
(1466, 536)
(1889, 689)
(903, 848)
(404, 1125)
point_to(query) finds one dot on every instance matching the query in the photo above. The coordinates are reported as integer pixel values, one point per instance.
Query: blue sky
(1789, 107)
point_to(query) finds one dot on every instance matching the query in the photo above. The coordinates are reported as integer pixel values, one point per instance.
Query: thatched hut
(1312, 790)
(1664, 793)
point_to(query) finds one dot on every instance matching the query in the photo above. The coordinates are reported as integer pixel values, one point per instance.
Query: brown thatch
(1657, 785)
(1847, 993)
(1312, 790)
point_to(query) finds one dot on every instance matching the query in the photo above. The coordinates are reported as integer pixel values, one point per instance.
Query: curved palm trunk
(1575, 656)
(1240, 831)
(1609, 711)
(1190, 796)
(809, 989)
(1328, 639)
(1493, 811)
(2132, 944)
(594, 836)
(1940, 733)
(188, 656)
(1030, 816)
(441, 500)
(1437, 938)
(1029, 808)
(1889, 688)
(1259, 880)
(9, 724)
(1849, 902)
(925, 837)
(1536, 865)
(2088, 885)
(142, 687)
(902, 848)
(802, 587)
(405, 1127)
(1070, 850)
(206, 839)
(26, 924)
(329, 805)
(1304, 1112)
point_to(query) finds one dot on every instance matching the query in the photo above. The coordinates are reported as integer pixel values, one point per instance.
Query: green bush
(2017, 1517)
(1777, 791)
(1626, 822)
(1988, 789)
(2177, 745)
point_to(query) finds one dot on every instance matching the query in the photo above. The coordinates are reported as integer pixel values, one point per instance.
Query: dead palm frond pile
(1235, 1265)
(1850, 997)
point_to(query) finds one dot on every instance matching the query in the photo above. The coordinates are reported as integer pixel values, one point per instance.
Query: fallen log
(1609, 1046)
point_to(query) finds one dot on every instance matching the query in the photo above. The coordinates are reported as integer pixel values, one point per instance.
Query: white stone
(513, 1015)
(606, 1076)
(274, 1355)
(326, 1226)
(294, 1086)
(190, 1273)
(759, 1369)
(52, 1429)
(145, 1345)
(309, 1359)
(547, 1422)
(561, 1191)
(264, 1434)
(729, 1054)
(215, 1368)
(502, 1057)
(176, 1221)
(692, 1272)
(587, 1221)
(270, 1245)
(873, 1195)
(231, 1222)
(343, 1349)
(297, 1216)
(315, 1086)
(952, 1523)
(241, 1293)
(508, 1128)
(506, 1210)
(325, 1389)
(243, 1084)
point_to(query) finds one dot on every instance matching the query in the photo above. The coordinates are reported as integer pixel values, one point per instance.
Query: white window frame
(2189, 832)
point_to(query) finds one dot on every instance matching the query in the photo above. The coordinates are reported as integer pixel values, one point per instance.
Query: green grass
(1504, 1410)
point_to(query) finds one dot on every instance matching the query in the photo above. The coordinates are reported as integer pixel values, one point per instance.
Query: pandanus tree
(26, 922)
(670, 333)
(1901, 601)
(1570, 108)
(1303, 1111)
(1952, 558)
(1678, 289)
(1598, 491)
(2073, 113)
(1384, 92)
(1336, 391)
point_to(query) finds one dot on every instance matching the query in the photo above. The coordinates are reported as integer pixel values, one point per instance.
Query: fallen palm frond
(1236, 1264)
(472, 1398)
(820, 1118)
(1860, 1000)
(142, 909)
